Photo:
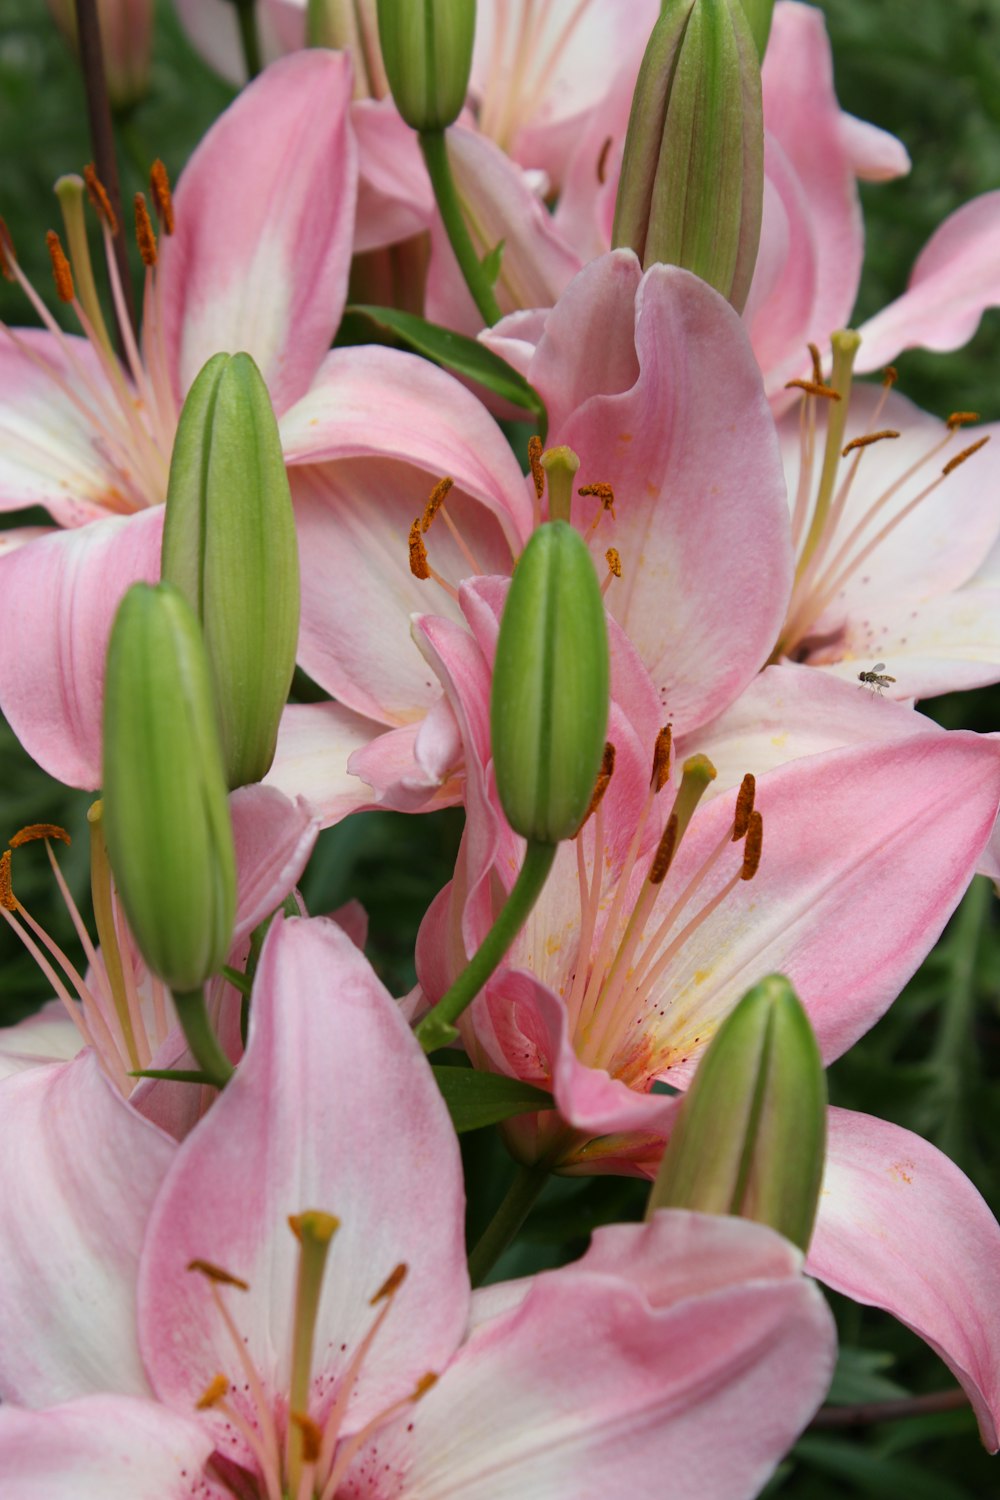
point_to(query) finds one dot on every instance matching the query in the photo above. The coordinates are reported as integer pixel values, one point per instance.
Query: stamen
(391, 1284)
(744, 806)
(419, 566)
(602, 492)
(867, 440)
(159, 187)
(8, 900)
(813, 388)
(311, 1435)
(604, 776)
(7, 254)
(602, 161)
(961, 419)
(663, 858)
(33, 831)
(71, 191)
(890, 375)
(661, 759)
(217, 1388)
(752, 847)
(437, 498)
(535, 460)
(614, 561)
(960, 458)
(216, 1274)
(424, 1384)
(97, 193)
(61, 273)
(145, 235)
(817, 364)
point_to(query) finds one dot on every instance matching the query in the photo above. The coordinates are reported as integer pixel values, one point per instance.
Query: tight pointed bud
(229, 546)
(427, 53)
(126, 28)
(166, 811)
(549, 709)
(759, 14)
(751, 1135)
(692, 183)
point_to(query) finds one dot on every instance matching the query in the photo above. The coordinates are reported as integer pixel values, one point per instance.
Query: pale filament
(513, 93)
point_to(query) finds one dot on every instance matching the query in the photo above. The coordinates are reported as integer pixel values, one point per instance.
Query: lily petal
(274, 838)
(47, 1036)
(315, 744)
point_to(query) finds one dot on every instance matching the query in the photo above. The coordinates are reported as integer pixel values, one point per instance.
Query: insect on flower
(876, 679)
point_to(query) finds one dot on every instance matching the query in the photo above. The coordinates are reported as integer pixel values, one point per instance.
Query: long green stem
(950, 1056)
(246, 18)
(500, 1231)
(204, 1044)
(437, 1028)
(435, 149)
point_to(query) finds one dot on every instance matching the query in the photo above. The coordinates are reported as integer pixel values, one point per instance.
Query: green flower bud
(692, 184)
(427, 53)
(229, 545)
(166, 810)
(351, 26)
(759, 14)
(751, 1135)
(549, 709)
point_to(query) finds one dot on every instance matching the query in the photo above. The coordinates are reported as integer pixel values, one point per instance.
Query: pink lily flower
(345, 1355)
(120, 1010)
(625, 968)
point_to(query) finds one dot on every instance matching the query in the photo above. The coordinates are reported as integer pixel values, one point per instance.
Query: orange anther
(423, 1385)
(61, 273)
(217, 1274)
(7, 898)
(34, 831)
(813, 388)
(817, 364)
(602, 492)
(213, 1393)
(752, 847)
(145, 235)
(391, 1284)
(965, 453)
(312, 1435)
(97, 193)
(601, 784)
(159, 187)
(664, 852)
(867, 440)
(744, 806)
(889, 376)
(962, 419)
(419, 566)
(437, 498)
(661, 759)
(535, 460)
(613, 558)
(602, 160)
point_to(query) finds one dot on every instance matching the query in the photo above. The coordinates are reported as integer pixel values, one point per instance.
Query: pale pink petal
(20, 536)
(114, 1447)
(417, 768)
(592, 1388)
(875, 155)
(49, 452)
(955, 279)
(515, 338)
(80, 1171)
(46, 1037)
(783, 293)
(265, 221)
(60, 595)
(333, 1108)
(901, 1228)
(213, 31)
(499, 203)
(315, 744)
(353, 918)
(274, 838)
(395, 199)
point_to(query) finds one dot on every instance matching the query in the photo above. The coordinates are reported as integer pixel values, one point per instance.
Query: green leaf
(492, 261)
(475, 1099)
(861, 1376)
(872, 1474)
(456, 352)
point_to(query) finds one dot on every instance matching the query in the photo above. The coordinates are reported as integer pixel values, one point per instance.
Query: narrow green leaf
(475, 1099)
(492, 262)
(456, 352)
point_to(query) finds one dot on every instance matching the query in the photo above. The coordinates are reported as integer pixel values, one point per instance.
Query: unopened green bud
(427, 53)
(751, 1135)
(692, 183)
(549, 709)
(229, 545)
(759, 14)
(166, 810)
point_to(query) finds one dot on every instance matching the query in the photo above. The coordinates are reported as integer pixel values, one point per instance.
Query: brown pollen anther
(890, 375)
(604, 776)
(602, 160)
(965, 453)
(961, 419)
(602, 492)
(752, 847)
(744, 806)
(423, 1385)
(145, 235)
(535, 451)
(663, 857)
(613, 558)
(217, 1274)
(435, 501)
(7, 255)
(34, 831)
(661, 759)
(159, 187)
(813, 388)
(7, 898)
(61, 273)
(867, 440)
(817, 363)
(391, 1284)
(98, 195)
(419, 566)
(213, 1393)
(312, 1435)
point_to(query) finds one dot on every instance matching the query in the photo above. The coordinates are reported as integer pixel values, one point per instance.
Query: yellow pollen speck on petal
(159, 187)
(965, 453)
(312, 1436)
(961, 419)
(213, 1393)
(889, 376)
(419, 566)
(145, 235)
(423, 1385)
(813, 388)
(7, 898)
(314, 1224)
(535, 460)
(602, 492)
(744, 806)
(7, 255)
(817, 364)
(61, 273)
(217, 1274)
(664, 852)
(752, 847)
(661, 759)
(98, 195)
(867, 440)
(437, 498)
(613, 559)
(391, 1284)
(33, 831)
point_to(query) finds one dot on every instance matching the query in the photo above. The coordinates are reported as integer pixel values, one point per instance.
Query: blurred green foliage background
(930, 73)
